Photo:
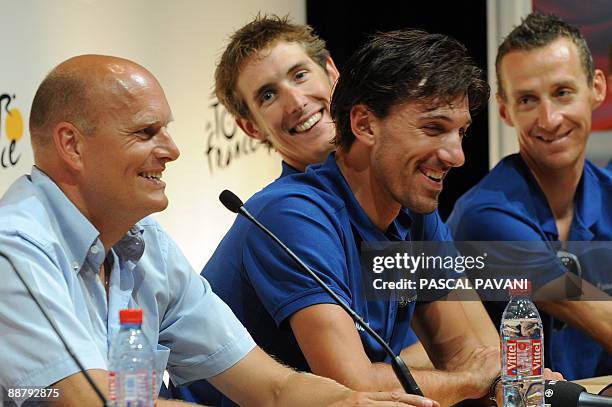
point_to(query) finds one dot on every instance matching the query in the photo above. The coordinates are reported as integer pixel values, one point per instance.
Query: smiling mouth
(436, 176)
(154, 176)
(551, 139)
(308, 123)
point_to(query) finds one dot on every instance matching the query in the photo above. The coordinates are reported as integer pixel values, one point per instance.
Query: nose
(549, 116)
(451, 152)
(166, 149)
(295, 100)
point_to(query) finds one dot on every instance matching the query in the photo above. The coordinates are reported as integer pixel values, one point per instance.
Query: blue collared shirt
(317, 215)
(59, 253)
(509, 205)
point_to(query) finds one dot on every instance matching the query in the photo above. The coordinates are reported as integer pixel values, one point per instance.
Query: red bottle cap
(130, 316)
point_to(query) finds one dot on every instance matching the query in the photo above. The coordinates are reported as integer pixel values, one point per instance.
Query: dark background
(345, 25)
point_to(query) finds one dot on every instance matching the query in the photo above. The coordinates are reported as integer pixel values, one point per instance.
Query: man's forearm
(592, 317)
(448, 388)
(304, 389)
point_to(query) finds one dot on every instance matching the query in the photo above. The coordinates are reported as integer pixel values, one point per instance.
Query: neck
(559, 186)
(111, 226)
(356, 168)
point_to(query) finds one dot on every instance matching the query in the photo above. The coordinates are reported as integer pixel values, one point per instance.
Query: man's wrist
(493, 388)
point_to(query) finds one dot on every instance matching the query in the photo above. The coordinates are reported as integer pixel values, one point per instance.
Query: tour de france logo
(11, 131)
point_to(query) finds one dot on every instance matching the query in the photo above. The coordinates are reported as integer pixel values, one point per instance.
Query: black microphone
(568, 394)
(57, 332)
(234, 204)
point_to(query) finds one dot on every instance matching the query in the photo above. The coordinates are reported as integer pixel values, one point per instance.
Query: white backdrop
(179, 42)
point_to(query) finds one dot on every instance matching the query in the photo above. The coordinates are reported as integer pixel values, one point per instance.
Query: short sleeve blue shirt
(317, 216)
(194, 334)
(508, 205)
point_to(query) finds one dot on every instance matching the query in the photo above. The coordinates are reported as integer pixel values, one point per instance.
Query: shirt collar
(287, 169)
(540, 206)
(79, 236)
(587, 201)
(131, 246)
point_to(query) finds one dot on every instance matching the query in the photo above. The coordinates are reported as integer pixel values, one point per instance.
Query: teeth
(151, 175)
(545, 139)
(435, 175)
(308, 123)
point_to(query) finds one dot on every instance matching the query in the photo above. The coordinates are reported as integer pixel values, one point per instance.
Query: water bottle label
(112, 386)
(130, 386)
(154, 387)
(524, 357)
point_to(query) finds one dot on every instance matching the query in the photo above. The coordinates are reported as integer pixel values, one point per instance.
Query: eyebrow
(443, 117)
(266, 85)
(565, 83)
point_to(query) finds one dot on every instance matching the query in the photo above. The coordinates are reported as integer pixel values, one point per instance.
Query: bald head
(78, 91)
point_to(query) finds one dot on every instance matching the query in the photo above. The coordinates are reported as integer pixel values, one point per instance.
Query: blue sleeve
(313, 233)
(528, 253)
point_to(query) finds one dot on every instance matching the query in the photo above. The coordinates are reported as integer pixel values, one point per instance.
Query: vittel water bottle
(131, 367)
(522, 341)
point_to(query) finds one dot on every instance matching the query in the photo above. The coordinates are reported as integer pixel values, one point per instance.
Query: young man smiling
(276, 79)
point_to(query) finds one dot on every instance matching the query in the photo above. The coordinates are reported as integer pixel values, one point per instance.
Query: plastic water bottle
(131, 367)
(522, 340)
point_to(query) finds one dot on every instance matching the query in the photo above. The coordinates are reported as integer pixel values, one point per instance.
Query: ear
(599, 88)
(332, 71)
(251, 129)
(362, 125)
(68, 142)
(503, 110)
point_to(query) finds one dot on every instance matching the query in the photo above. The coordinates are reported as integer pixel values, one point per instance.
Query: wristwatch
(492, 392)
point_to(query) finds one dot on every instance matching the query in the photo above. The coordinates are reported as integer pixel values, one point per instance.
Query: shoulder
(24, 214)
(506, 187)
(293, 195)
(502, 199)
(602, 176)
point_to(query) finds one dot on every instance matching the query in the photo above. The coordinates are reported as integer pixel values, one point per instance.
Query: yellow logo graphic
(14, 125)
(13, 129)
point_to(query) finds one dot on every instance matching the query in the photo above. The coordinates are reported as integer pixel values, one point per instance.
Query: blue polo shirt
(508, 205)
(317, 216)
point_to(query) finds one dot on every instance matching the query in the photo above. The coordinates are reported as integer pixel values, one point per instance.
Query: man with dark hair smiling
(402, 106)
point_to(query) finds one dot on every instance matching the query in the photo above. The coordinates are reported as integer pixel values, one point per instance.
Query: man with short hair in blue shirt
(77, 229)
(381, 185)
(547, 90)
